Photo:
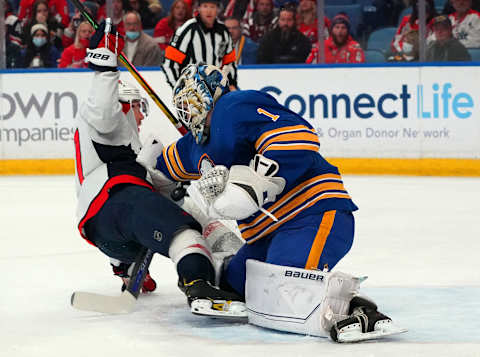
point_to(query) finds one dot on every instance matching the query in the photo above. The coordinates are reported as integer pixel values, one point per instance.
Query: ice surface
(418, 240)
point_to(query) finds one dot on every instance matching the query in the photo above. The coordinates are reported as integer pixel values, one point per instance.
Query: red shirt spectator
(166, 27)
(60, 8)
(311, 31)
(340, 47)
(307, 20)
(349, 52)
(260, 20)
(73, 56)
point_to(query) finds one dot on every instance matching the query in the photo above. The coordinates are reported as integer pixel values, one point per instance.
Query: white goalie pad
(297, 300)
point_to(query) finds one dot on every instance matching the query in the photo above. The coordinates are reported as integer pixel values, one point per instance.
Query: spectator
(12, 41)
(166, 27)
(465, 23)
(39, 53)
(260, 21)
(236, 8)
(13, 28)
(449, 9)
(445, 47)
(245, 49)
(156, 8)
(41, 15)
(119, 7)
(410, 22)
(340, 47)
(284, 44)
(149, 18)
(13, 54)
(58, 9)
(73, 56)
(307, 20)
(410, 51)
(71, 30)
(140, 48)
(201, 39)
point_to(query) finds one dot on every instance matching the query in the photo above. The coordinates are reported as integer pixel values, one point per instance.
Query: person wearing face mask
(42, 15)
(410, 50)
(140, 48)
(40, 53)
(410, 22)
(73, 56)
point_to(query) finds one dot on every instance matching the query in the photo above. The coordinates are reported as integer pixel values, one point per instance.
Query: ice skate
(365, 323)
(207, 300)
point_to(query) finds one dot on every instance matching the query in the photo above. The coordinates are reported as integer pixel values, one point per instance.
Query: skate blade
(382, 330)
(233, 310)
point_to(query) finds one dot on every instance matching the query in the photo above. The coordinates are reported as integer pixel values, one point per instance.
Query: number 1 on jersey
(270, 115)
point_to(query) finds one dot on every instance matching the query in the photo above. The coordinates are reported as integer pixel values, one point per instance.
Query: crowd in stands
(52, 33)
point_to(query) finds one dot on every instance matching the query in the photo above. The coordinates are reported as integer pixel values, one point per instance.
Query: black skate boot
(365, 323)
(201, 289)
(208, 300)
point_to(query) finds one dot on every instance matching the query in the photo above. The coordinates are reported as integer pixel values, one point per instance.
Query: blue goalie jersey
(245, 123)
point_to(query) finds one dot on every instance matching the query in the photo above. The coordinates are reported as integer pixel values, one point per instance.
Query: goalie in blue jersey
(252, 160)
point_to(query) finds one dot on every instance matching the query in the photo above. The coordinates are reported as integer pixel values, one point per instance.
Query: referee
(201, 39)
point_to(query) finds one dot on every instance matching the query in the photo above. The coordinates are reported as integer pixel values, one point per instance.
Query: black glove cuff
(102, 68)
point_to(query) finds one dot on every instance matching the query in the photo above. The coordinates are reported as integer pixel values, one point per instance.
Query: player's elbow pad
(246, 192)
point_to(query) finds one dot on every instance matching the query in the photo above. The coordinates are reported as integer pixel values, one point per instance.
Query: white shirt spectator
(467, 29)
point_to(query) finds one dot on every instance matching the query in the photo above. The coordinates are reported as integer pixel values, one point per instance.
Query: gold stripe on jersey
(292, 203)
(320, 240)
(291, 141)
(174, 165)
(300, 129)
(294, 146)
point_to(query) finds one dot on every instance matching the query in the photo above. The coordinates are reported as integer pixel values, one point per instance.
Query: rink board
(370, 120)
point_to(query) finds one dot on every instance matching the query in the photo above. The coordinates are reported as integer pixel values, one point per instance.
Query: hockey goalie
(252, 160)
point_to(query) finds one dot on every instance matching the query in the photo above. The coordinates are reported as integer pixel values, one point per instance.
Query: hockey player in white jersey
(118, 209)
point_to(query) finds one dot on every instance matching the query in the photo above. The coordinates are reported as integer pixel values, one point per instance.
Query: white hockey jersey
(106, 145)
(467, 29)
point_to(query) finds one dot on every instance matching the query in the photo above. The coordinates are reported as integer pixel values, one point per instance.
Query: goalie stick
(122, 304)
(131, 68)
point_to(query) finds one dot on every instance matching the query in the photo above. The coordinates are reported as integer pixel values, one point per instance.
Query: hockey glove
(122, 270)
(105, 45)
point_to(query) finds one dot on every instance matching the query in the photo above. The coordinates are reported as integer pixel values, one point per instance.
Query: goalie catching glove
(105, 45)
(239, 192)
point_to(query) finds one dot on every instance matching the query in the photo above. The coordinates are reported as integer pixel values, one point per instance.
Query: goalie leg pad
(297, 300)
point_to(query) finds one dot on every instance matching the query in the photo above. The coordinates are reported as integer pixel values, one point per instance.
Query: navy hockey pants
(310, 242)
(134, 217)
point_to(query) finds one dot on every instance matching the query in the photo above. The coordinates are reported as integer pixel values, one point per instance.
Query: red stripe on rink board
(78, 156)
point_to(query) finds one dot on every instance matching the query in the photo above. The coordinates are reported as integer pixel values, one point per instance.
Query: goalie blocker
(313, 303)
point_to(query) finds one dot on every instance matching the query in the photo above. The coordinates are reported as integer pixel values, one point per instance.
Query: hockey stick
(131, 68)
(124, 303)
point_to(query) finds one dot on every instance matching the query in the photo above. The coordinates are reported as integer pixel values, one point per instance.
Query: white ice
(418, 240)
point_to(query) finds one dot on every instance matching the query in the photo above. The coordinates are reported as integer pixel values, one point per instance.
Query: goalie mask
(195, 94)
(127, 93)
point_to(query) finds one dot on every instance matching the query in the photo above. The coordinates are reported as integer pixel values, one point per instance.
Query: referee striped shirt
(194, 43)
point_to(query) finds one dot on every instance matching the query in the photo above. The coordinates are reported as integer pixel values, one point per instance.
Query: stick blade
(122, 304)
